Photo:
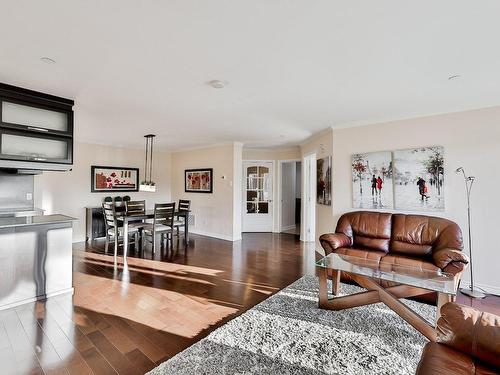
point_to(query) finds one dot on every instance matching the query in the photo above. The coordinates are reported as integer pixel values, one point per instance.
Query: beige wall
(322, 145)
(292, 153)
(214, 213)
(69, 192)
(471, 139)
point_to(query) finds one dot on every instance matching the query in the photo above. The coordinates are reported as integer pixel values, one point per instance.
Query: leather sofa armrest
(450, 260)
(470, 331)
(332, 241)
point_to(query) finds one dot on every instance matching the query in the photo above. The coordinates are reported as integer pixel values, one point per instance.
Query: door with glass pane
(257, 197)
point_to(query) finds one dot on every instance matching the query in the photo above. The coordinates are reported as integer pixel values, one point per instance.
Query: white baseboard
(288, 227)
(196, 231)
(214, 235)
(42, 297)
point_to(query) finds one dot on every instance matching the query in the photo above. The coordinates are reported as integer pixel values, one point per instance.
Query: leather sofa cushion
(361, 253)
(371, 230)
(470, 331)
(438, 359)
(391, 262)
(420, 235)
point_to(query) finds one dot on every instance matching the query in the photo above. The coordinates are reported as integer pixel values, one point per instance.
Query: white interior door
(258, 196)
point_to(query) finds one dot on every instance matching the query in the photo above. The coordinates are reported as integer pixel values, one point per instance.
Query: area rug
(288, 334)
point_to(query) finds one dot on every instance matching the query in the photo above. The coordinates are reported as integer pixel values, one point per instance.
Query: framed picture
(372, 182)
(106, 179)
(419, 179)
(198, 180)
(324, 181)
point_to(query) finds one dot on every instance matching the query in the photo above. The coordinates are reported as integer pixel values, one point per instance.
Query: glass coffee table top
(437, 281)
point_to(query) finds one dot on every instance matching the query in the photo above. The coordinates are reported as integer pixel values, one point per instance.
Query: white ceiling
(293, 67)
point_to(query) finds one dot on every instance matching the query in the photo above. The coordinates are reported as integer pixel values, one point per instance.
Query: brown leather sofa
(468, 343)
(426, 242)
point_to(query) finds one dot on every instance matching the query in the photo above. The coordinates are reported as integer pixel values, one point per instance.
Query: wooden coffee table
(412, 282)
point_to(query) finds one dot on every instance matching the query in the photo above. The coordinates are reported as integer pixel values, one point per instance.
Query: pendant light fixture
(147, 184)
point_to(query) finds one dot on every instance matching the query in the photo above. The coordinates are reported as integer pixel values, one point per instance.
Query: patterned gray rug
(288, 334)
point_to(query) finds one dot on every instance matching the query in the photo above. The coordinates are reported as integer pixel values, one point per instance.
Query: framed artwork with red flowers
(106, 179)
(198, 180)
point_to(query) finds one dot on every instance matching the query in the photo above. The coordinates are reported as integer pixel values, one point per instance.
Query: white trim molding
(215, 235)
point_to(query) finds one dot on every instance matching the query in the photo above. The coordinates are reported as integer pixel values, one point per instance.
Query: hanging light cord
(151, 160)
(146, 162)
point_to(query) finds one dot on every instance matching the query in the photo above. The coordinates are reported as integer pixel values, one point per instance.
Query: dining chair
(113, 230)
(163, 223)
(136, 208)
(184, 205)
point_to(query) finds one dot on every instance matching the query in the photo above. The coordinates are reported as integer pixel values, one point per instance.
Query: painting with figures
(419, 179)
(372, 185)
(105, 179)
(324, 181)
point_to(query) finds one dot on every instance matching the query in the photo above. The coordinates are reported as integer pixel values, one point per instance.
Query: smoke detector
(218, 84)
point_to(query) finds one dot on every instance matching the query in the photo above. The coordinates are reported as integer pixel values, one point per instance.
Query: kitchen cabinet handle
(37, 129)
(39, 159)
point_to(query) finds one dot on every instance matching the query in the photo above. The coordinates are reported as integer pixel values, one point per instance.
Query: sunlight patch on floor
(153, 265)
(161, 309)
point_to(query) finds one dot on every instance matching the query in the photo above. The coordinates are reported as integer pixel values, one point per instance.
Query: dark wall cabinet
(95, 223)
(35, 127)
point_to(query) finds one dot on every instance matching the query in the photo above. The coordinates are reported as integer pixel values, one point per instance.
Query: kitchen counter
(26, 211)
(8, 222)
(36, 258)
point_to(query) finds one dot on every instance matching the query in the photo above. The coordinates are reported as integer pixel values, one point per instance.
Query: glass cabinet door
(37, 119)
(258, 189)
(25, 147)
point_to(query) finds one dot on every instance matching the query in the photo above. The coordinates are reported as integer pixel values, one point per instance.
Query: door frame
(308, 214)
(279, 205)
(243, 190)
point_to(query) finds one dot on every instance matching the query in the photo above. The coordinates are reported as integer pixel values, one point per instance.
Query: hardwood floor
(127, 320)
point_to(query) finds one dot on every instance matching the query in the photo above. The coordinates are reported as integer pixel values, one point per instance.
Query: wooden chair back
(184, 205)
(164, 214)
(135, 207)
(110, 221)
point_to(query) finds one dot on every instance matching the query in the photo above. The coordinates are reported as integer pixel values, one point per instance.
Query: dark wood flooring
(127, 320)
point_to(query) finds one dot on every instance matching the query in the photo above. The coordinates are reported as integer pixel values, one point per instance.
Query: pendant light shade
(147, 184)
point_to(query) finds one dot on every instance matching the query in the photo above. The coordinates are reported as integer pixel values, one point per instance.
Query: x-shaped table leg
(376, 293)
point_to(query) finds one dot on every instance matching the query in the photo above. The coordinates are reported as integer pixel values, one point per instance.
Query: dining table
(150, 214)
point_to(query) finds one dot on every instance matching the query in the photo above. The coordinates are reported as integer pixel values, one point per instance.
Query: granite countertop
(8, 222)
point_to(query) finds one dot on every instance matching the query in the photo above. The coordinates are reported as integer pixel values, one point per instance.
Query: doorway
(308, 227)
(290, 197)
(257, 196)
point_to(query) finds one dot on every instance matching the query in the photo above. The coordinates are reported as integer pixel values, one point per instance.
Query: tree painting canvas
(419, 179)
(372, 184)
(324, 181)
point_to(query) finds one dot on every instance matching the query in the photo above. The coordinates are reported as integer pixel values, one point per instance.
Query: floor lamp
(469, 181)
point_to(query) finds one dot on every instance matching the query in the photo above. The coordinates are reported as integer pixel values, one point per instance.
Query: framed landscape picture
(198, 180)
(107, 179)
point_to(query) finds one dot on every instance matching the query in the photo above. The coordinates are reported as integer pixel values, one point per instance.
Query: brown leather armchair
(425, 242)
(468, 343)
